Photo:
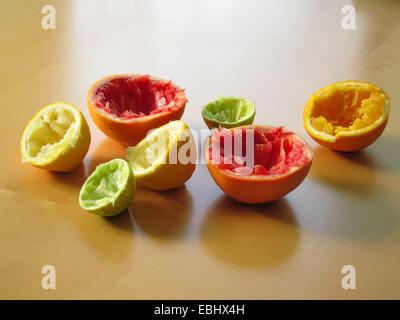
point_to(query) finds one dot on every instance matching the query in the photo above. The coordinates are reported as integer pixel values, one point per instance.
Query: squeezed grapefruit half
(280, 161)
(126, 106)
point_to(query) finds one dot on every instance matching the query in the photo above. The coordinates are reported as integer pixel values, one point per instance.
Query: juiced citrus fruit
(126, 106)
(229, 112)
(166, 158)
(348, 115)
(56, 139)
(256, 164)
(109, 190)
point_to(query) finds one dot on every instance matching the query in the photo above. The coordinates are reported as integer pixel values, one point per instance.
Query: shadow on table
(75, 178)
(365, 206)
(111, 237)
(385, 153)
(351, 172)
(163, 215)
(256, 236)
(352, 217)
(123, 221)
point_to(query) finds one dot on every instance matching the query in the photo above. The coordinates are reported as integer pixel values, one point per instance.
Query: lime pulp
(109, 190)
(229, 112)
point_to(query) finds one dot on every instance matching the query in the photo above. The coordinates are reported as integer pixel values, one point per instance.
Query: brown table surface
(195, 242)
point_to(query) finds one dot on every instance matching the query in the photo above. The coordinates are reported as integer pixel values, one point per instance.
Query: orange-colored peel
(130, 131)
(347, 116)
(256, 188)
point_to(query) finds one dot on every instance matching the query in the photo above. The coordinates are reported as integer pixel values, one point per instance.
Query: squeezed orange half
(348, 115)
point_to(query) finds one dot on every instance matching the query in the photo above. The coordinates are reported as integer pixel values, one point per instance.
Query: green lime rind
(229, 112)
(109, 190)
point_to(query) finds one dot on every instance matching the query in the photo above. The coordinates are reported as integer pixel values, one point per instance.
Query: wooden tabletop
(195, 242)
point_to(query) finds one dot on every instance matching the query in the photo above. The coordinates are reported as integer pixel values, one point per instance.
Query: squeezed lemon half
(165, 158)
(56, 139)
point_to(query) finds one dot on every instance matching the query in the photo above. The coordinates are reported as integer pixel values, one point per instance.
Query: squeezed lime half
(109, 190)
(229, 112)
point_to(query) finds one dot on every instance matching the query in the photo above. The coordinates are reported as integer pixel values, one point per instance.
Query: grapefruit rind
(260, 188)
(129, 131)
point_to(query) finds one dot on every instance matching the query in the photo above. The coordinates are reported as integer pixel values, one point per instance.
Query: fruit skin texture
(71, 156)
(130, 131)
(169, 175)
(121, 203)
(346, 141)
(259, 189)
